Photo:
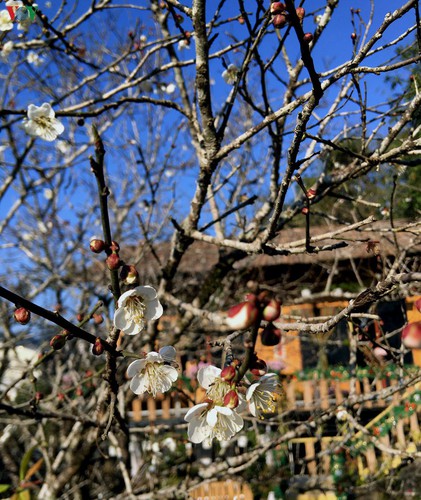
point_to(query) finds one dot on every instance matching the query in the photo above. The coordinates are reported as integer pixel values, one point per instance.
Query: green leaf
(25, 462)
(4, 487)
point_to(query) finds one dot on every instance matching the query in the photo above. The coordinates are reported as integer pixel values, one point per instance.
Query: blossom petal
(120, 321)
(123, 297)
(207, 375)
(154, 310)
(146, 292)
(212, 417)
(168, 353)
(194, 411)
(139, 385)
(135, 367)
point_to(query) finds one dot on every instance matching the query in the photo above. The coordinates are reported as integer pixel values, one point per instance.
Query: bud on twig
(58, 341)
(242, 316)
(98, 319)
(272, 310)
(129, 275)
(113, 261)
(22, 315)
(228, 373)
(97, 246)
(231, 399)
(258, 367)
(270, 335)
(98, 347)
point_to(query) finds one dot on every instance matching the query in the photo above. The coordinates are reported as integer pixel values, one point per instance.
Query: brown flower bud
(58, 341)
(308, 37)
(97, 246)
(129, 275)
(279, 21)
(300, 13)
(79, 317)
(277, 7)
(231, 399)
(113, 261)
(98, 319)
(228, 373)
(98, 347)
(270, 335)
(272, 311)
(22, 315)
(353, 36)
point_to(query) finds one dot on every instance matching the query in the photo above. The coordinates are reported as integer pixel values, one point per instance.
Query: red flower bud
(58, 342)
(228, 373)
(98, 319)
(258, 367)
(38, 396)
(300, 13)
(242, 316)
(231, 399)
(60, 396)
(279, 21)
(353, 36)
(113, 261)
(308, 37)
(304, 211)
(277, 7)
(129, 275)
(114, 247)
(270, 335)
(98, 347)
(311, 193)
(241, 20)
(411, 335)
(97, 246)
(22, 315)
(272, 311)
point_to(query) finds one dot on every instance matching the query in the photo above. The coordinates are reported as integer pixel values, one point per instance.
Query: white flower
(216, 388)
(184, 44)
(7, 49)
(34, 58)
(170, 88)
(151, 374)
(342, 415)
(207, 422)
(6, 23)
(230, 75)
(135, 307)
(41, 122)
(48, 194)
(261, 395)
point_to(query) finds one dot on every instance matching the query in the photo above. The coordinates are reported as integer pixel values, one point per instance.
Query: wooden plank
(150, 402)
(324, 394)
(308, 394)
(290, 392)
(166, 408)
(338, 392)
(370, 456)
(137, 410)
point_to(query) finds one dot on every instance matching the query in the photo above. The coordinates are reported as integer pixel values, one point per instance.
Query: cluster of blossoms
(219, 415)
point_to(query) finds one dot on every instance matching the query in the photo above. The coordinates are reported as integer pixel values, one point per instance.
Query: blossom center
(136, 309)
(217, 391)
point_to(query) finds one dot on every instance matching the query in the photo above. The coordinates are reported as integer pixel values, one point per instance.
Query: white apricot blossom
(7, 49)
(41, 122)
(261, 395)
(152, 374)
(230, 75)
(135, 308)
(208, 421)
(6, 23)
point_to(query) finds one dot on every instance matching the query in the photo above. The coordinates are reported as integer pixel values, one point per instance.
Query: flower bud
(411, 335)
(279, 21)
(342, 415)
(228, 373)
(129, 275)
(98, 319)
(277, 7)
(270, 335)
(418, 305)
(272, 311)
(22, 315)
(379, 353)
(79, 317)
(114, 247)
(258, 367)
(308, 37)
(300, 13)
(242, 316)
(38, 396)
(311, 193)
(231, 399)
(98, 347)
(58, 341)
(97, 246)
(304, 210)
(353, 37)
(113, 261)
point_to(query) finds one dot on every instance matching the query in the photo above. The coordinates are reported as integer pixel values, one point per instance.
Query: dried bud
(272, 310)
(79, 317)
(270, 335)
(411, 335)
(97, 246)
(277, 7)
(258, 367)
(179, 18)
(242, 316)
(130, 34)
(129, 275)
(373, 246)
(279, 21)
(308, 37)
(113, 261)
(98, 319)
(231, 399)
(418, 305)
(58, 341)
(22, 315)
(60, 396)
(300, 13)
(241, 20)
(228, 373)
(98, 347)
(353, 36)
